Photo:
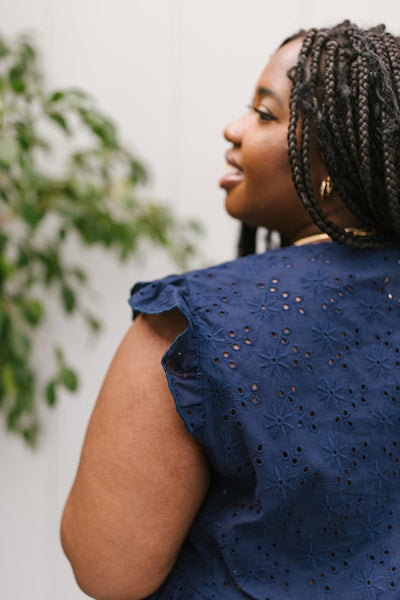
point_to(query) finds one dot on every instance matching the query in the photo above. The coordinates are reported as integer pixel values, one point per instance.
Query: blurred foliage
(92, 196)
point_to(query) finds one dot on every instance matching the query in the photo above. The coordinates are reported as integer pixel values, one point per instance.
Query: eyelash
(263, 114)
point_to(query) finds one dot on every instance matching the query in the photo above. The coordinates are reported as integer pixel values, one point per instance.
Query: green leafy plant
(88, 189)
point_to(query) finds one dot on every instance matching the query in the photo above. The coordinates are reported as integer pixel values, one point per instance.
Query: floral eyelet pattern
(289, 375)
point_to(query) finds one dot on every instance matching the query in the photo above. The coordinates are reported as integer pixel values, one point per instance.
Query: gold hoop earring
(325, 189)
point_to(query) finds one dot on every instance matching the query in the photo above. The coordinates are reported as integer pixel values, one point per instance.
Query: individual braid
(393, 53)
(364, 120)
(357, 110)
(354, 76)
(391, 179)
(392, 47)
(295, 162)
(247, 240)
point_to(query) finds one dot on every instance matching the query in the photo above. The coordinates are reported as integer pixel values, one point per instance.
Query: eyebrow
(263, 91)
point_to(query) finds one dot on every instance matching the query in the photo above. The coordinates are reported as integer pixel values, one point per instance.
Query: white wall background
(171, 73)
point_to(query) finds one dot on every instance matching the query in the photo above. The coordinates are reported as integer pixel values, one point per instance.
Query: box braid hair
(346, 94)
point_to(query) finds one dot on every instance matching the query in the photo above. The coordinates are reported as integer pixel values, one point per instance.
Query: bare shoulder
(142, 476)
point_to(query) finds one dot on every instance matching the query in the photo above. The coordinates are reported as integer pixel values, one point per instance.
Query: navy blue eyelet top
(289, 375)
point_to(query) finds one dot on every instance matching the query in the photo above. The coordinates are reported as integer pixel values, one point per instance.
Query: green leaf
(79, 274)
(13, 416)
(51, 395)
(24, 256)
(137, 173)
(56, 96)
(100, 126)
(69, 379)
(26, 137)
(4, 323)
(62, 233)
(3, 241)
(59, 356)
(20, 345)
(94, 324)
(30, 434)
(27, 52)
(4, 50)
(8, 150)
(7, 269)
(33, 312)
(16, 79)
(76, 95)
(8, 380)
(32, 214)
(52, 264)
(60, 120)
(68, 298)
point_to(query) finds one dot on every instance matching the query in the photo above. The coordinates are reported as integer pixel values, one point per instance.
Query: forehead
(275, 75)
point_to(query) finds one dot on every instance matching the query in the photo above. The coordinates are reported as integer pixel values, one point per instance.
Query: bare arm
(142, 477)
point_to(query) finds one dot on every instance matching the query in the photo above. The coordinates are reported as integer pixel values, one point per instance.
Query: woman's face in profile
(258, 179)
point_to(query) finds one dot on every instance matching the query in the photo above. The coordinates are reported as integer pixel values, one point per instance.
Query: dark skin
(142, 477)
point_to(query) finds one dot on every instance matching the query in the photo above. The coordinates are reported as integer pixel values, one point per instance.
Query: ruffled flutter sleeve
(181, 360)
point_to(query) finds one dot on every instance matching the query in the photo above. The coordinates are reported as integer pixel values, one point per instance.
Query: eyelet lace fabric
(289, 374)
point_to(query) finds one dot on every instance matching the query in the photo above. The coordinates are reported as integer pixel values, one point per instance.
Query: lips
(233, 173)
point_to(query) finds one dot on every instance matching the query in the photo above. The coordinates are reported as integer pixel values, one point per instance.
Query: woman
(276, 473)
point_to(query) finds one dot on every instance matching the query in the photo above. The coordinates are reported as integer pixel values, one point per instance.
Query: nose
(233, 132)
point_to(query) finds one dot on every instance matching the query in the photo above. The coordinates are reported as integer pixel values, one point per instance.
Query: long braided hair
(346, 95)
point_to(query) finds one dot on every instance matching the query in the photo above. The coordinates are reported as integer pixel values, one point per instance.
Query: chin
(232, 212)
(235, 212)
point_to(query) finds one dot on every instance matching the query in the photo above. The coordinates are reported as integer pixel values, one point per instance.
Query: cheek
(269, 168)
(272, 196)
